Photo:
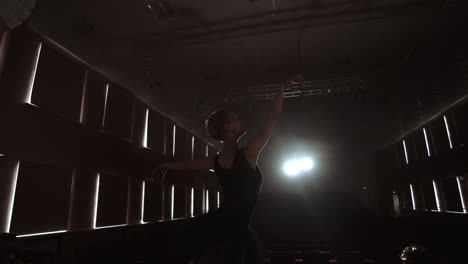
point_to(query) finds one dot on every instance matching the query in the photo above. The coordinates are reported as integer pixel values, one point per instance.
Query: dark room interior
(99, 100)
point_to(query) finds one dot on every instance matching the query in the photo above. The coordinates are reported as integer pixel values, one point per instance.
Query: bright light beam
(294, 167)
(306, 164)
(291, 168)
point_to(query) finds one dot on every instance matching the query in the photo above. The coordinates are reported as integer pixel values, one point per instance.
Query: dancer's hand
(158, 173)
(298, 78)
(294, 79)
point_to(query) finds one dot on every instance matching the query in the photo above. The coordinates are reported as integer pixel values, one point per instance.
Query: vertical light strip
(72, 199)
(96, 199)
(448, 131)
(132, 126)
(206, 150)
(145, 130)
(105, 107)
(203, 203)
(437, 195)
(427, 142)
(406, 153)
(3, 50)
(83, 96)
(460, 190)
(193, 147)
(207, 201)
(413, 198)
(172, 202)
(217, 199)
(12, 197)
(173, 140)
(142, 202)
(33, 75)
(192, 201)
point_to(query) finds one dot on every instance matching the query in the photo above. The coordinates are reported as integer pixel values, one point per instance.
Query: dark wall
(75, 118)
(443, 167)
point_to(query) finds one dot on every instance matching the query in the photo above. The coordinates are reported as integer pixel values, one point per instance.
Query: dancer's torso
(241, 187)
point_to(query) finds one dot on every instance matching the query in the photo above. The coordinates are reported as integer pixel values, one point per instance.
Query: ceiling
(182, 57)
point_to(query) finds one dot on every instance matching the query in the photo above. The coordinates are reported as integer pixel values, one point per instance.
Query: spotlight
(295, 166)
(291, 168)
(306, 164)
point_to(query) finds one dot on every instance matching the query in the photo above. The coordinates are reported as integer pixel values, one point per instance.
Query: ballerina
(224, 235)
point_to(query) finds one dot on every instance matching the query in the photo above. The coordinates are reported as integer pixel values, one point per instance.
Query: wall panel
(119, 112)
(42, 199)
(156, 133)
(58, 85)
(112, 200)
(153, 202)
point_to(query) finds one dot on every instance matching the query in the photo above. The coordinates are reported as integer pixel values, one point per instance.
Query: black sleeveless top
(241, 186)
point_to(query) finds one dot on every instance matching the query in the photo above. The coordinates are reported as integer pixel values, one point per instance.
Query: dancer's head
(224, 126)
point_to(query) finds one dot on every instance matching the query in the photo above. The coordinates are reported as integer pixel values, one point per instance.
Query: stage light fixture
(295, 166)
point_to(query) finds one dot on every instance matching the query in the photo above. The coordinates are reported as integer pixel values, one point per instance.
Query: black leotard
(227, 228)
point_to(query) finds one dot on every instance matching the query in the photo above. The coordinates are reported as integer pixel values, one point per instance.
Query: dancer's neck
(230, 147)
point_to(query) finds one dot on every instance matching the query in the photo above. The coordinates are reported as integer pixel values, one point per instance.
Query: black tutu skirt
(214, 238)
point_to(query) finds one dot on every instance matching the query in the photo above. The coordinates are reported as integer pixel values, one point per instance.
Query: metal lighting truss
(306, 88)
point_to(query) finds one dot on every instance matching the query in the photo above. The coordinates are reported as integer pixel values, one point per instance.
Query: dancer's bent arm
(202, 164)
(159, 172)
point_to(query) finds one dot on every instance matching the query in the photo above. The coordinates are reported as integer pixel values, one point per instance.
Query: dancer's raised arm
(257, 142)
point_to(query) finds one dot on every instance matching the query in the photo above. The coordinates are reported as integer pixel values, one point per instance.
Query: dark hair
(214, 123)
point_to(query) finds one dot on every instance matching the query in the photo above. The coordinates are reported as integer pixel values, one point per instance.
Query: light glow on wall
(105, 106)
(111, 226)
(83, 97)
(448, 132)
(145, 130)
(406, 153)
(413, 198)
(172, 202)
(460, 190)
(207, 200)
(33, 74)
(437, 195)
(173, 140)
(192, 194)
(427, 143)
(44, 233)
(193, 148)
(12, 196)
(142, 202)
(96, 198)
